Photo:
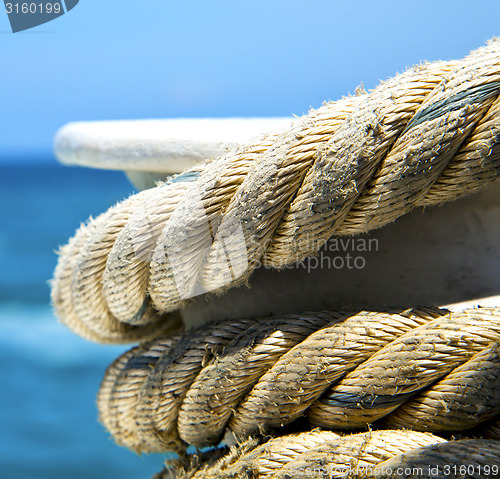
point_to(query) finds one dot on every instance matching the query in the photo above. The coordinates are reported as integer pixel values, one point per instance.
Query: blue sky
(120, 59)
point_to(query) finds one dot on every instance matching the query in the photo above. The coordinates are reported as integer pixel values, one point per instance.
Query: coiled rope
(386, 453)
(424, 369)
(424, 137)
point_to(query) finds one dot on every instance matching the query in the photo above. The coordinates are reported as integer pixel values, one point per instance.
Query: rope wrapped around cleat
(425, 137)
(424, 369)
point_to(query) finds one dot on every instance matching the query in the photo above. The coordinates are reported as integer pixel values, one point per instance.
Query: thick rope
(427, 370)
(99, 324)
(427, 136)
(317, 454)
(140, 393)
(346, 454)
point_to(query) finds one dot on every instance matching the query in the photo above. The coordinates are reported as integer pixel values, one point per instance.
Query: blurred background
(156, 59)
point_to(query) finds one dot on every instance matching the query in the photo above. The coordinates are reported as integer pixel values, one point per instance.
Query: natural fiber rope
(437, 371)
(263, 460)
(275, 453)
(317, 454)
(427, 136)
(141, 382)
(346, 454)
(479, 378)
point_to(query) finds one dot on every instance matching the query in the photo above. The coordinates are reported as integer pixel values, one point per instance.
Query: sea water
(49, 376)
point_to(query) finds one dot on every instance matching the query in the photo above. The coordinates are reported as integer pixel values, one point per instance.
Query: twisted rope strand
(475, 164)
(312, 454)
(380, 454)
(354, 455)
(427, 136)
(101, 326)
(118, 397)
(127, 262)
(131, 274)
(277, 452)
(348, 160)
(220, 386)
(341, 371)
(158, 384)
(446, 405)
(405, 366)
(299, 377)
(266, 459)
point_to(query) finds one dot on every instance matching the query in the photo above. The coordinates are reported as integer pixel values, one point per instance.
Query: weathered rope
(318, 454)
(427, 136)
(143, 380)
(261, 459)
(346, 454)
(428, 370)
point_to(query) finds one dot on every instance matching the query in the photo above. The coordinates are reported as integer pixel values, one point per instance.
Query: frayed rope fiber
(424, 369)
(315, 454)
(425, 137)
